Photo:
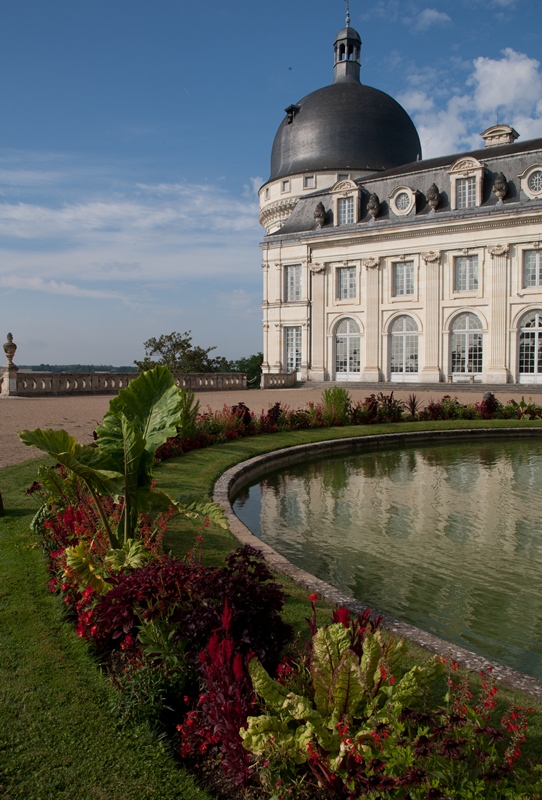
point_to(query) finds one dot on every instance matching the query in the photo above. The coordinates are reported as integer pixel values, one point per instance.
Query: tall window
(292, 343)
(466, 274)
(403, 278)
(292, 283)
(404, 348)
(347, 350)
(530, 348)
(346, 283)
(345, 210)
(465, 192)
(532, 268)
(466, 341)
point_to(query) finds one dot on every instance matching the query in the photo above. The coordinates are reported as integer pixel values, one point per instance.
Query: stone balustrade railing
(278, 380)
(40, 384)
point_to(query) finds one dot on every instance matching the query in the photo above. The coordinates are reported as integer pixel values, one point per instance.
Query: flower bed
(336, 409)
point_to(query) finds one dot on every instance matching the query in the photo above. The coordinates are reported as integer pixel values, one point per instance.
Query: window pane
(403, 278)
(404, 345)
(293, 348)
(531, 268)
(292, 278)
(466, 345)
(345, 208)
(465, 189)
(347, 283)
(466, 274)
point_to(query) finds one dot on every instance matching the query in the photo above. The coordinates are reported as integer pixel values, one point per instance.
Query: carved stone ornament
(536, 245)
(317, 267)
(433, 197)
(344, 186)
(431, 257)
(371, 263)
(499, 250)
(374, 205)
(500, 187)
(9, 349)
(320, 215)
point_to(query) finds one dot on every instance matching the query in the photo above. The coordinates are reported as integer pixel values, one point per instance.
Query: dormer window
(345, 210)
(465, 193)
(309, 182)
(466, 179)
(285, 186)
(291, 111)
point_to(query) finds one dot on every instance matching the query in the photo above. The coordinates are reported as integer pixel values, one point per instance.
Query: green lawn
(58, 738)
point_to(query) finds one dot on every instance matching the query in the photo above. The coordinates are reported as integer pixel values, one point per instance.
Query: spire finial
(347, 13)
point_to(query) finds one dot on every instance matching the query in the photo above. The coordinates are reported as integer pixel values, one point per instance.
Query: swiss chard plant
(362, 732)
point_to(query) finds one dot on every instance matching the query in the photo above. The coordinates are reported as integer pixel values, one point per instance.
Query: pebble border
(235, 478)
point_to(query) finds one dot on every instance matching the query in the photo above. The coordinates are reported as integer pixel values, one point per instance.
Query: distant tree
(252, 366)
(175, 350)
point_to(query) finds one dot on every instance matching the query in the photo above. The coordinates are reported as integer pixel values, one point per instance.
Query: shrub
(191, 598)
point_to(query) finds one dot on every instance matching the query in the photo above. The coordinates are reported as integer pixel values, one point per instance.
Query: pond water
(446, 537)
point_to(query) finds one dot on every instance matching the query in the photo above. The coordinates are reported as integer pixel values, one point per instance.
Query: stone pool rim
(235, 478)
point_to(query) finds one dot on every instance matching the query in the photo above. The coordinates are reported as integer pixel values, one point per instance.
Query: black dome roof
(344, 126)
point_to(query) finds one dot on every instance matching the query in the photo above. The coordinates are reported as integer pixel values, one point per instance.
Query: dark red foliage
(225, 703)
(192, 597)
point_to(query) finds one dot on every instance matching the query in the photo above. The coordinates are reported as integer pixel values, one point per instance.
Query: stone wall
(40, 384)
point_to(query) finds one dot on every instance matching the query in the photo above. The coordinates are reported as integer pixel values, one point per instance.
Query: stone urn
(9, 349)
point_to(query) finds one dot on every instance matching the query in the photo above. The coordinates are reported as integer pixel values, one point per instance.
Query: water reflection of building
(430, 529)
(381, 266)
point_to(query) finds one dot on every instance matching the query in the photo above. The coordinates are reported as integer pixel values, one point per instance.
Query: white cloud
(450, 117)
(429, 18)
(513, 83)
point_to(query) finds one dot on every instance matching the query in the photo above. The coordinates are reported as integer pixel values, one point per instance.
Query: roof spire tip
(347, 13)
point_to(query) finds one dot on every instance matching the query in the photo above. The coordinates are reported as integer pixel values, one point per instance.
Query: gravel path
(80, 415)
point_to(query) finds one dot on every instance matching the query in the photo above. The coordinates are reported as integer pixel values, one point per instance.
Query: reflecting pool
(446, 537)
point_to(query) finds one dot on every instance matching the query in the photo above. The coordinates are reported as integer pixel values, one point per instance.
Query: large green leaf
(134, 448)
(93, 466)
(347, 688)
(328, 646)
(193, 507)
(370, 660)
(151, 402)
(274, 694)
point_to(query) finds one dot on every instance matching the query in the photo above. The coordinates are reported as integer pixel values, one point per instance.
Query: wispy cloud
(36, 284)
(430, 18)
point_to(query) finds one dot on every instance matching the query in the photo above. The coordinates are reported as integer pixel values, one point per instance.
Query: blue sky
(134, 135)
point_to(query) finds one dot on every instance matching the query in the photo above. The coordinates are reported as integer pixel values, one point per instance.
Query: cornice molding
(331, 238)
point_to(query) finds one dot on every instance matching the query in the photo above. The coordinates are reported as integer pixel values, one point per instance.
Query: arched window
(347, 351)
(466, 345)
(404, 349)
(530, 348)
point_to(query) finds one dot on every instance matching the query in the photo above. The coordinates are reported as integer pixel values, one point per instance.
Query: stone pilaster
(430, 372)
(317, 273)
(498, 292)
(371, 370)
